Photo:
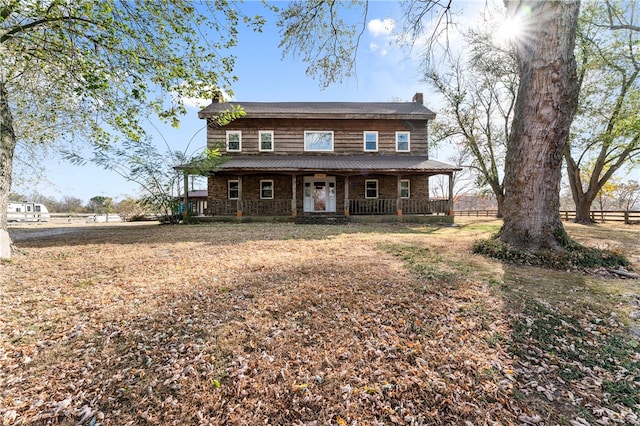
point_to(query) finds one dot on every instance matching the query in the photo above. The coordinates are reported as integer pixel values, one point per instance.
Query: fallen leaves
(255, 324)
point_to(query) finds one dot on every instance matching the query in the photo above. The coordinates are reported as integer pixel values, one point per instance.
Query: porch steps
(321, 220)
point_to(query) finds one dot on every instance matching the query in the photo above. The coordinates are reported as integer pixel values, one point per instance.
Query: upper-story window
(402, 141)
(371, 141)
(265, 140)
(234, 140)
(315, 140)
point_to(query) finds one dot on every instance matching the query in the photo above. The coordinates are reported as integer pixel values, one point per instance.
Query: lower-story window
(371, 188)
(405, 187)
(234, 189)
(266, 189)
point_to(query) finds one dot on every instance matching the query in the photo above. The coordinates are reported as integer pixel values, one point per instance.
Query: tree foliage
(91, 69)
(159, 173)
(100, 204)
(85, 70)
(627, 195)
(606, 133)
(318, 33)
(479, 89)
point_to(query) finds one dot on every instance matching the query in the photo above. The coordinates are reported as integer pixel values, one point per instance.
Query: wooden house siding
(288, 135)
(313, 183)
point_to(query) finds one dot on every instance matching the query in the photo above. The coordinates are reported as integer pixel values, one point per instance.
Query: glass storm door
(319, 194)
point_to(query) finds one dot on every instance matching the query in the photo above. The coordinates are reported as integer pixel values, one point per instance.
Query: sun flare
(510, 29)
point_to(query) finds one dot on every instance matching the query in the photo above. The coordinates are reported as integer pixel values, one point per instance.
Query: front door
(319, 194)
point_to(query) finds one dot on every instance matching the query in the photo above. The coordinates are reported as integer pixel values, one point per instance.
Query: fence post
(626, 217)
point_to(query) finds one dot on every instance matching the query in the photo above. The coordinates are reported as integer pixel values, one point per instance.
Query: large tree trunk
(545, 107)
(500, 201)
(583, 211)
(7, 146)
(581, 199)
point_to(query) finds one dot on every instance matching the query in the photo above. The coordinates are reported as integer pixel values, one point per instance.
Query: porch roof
(336, 163)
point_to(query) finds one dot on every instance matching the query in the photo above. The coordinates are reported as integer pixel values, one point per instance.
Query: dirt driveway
(30, 231)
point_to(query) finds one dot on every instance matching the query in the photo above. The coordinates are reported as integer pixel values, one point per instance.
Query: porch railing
(375, 206)
(425, 206)
(266, 207)
(356, 207)
(249, 207)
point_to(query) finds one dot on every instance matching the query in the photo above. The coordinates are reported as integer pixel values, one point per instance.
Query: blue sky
(385, 72)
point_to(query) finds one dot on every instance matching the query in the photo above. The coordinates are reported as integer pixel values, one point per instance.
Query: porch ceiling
(336, 163)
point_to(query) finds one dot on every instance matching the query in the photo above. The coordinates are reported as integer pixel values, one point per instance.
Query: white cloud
(381, 28)
(199, 103)
(195, 102)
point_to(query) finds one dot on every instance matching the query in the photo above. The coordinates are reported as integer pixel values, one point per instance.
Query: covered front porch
(351, 187)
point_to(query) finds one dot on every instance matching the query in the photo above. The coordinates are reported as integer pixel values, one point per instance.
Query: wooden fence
(625, 216)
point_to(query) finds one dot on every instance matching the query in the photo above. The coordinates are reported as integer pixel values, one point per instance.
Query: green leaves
(100, 61)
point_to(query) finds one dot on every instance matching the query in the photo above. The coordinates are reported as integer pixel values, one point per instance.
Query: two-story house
(351, 159)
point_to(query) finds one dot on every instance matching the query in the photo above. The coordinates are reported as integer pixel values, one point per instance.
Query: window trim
(364, 137)
(229, 182)
(408, 141)
(366, 189)
(232, 132)
(263, 181)
(307, 132)
(269, 132)
(408, 182)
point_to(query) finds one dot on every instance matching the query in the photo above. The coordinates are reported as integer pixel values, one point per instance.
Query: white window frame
(364, 137)
(308, 140)
(234, 132)
(408, 188)
(366, 188)
(398, 134)
(273, 190)
(229, 182)
(265, 132)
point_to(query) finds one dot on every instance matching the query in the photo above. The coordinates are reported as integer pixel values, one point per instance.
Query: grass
(294, 324)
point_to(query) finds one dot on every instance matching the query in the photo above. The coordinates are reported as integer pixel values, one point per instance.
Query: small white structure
(27, 212)
(104, 218)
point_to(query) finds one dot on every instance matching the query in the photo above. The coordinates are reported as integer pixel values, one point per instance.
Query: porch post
(450, 203)
(346, 195)
(185, 211)
(239, 202)
(398, 195)
(294, 202)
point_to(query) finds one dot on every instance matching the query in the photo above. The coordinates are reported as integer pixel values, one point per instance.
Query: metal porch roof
(335, 163)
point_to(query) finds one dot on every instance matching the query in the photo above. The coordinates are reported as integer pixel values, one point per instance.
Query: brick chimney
(418, 98)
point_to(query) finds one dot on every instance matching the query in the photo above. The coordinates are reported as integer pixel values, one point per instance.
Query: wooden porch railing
(425, 206)
(249, 207)
(222, 208)
(373, 206)
(266, 207)
(381, 206)
(356, 207)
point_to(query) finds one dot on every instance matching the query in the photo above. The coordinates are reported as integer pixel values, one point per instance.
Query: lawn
(310, 324)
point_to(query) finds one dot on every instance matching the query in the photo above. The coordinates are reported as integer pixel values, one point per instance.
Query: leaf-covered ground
(306, 324)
